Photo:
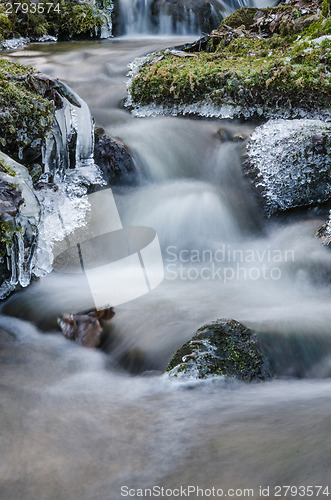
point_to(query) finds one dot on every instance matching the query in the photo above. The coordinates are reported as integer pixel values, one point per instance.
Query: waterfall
(138, 17)
(167, 17)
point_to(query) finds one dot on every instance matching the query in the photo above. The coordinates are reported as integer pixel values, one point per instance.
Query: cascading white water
(161, 18)
(184, 17)
(74, 426)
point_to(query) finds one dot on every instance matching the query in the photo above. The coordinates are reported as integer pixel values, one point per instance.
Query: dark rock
(85, 328)
(115, 160)
(319, 143)
(289, 163)
(196, 46)
(223, 347)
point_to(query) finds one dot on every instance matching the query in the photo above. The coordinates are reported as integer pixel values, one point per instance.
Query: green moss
(21, 23)
(224, 348)
(25, 116)
(243, 16)
(6, 232)
(69, 19)
(326, 8)
(5, 25)
(8, 228)
(78, 20)
(319, 28)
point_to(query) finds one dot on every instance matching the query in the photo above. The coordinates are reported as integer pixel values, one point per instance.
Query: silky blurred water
(74, 424)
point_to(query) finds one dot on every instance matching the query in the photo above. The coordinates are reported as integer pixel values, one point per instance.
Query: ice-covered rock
(289, 163)
(67, 170)
(18, 226)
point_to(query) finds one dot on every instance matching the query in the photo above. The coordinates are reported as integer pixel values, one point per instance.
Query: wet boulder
(289, 163)
(114, 159)
(223, 347)
(26, 116)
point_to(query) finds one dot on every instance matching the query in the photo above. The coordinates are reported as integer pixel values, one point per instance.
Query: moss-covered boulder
(289, 163)
(223, 347)
(30, 105)
(63, 19)
(260, 62)
(25, 116)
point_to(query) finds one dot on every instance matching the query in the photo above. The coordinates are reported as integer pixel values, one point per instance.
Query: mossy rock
(78, 20)
(25, 116)
(64, 19)
(241, 17)
(249, 74)
(221, 348)
(28, 101)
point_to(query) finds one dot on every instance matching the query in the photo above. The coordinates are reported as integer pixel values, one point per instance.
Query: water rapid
(75, 424)
(183, 17)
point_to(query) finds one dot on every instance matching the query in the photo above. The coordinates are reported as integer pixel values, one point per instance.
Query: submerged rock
(85, 328)
(223, 347)
(289, 163)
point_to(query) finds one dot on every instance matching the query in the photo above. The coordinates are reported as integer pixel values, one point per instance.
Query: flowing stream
(75, 425)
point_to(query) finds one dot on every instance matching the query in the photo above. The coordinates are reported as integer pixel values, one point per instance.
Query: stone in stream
(289, 163)
(85, 328)
(114, 159)
(223, 347)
